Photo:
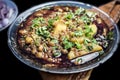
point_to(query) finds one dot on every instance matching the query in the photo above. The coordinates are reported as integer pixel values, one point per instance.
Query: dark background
(11, 68)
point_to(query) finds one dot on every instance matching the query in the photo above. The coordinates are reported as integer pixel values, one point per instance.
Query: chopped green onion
(90, 48)
(54, 47)
(78, 33)
(37, 21)
(51, 21)
(86, 41)
(78, 45)
(57, 54)
(105, 43)
(79, 11)
(85, 19)
(67, 44)
(69, 16)
(94, 41)
(101, 52)
(110, 35)
(42, 31)
(88, 31)
(79, 60)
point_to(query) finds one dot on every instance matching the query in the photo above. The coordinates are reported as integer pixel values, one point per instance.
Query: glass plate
(87, 66)
(12, 5)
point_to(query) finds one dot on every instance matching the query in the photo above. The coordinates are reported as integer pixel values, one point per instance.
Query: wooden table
(113, 9)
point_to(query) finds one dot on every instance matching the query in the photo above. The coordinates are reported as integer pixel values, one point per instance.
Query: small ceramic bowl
(8, 13)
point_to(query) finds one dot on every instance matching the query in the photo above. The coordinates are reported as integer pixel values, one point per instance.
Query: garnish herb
(78, 45)
(85, 19)
(86, 41)
(69, 16)
(80, 11)
(101, 52)
(42, 31)
(37, 21)
(110, 35)
(79, 60)
(94, 41)
(78, 33)
(88, 31)
(67, 44)
(57, 54)
(51, 21)
(90, 48)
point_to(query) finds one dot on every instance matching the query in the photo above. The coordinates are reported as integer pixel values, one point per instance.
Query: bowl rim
(10, 3)
(66, 71)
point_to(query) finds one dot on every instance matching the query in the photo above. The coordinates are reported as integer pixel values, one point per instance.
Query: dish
(12, 39)
(40, 36)
(8, 13)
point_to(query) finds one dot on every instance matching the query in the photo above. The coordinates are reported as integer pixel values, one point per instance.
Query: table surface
(10, 65)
